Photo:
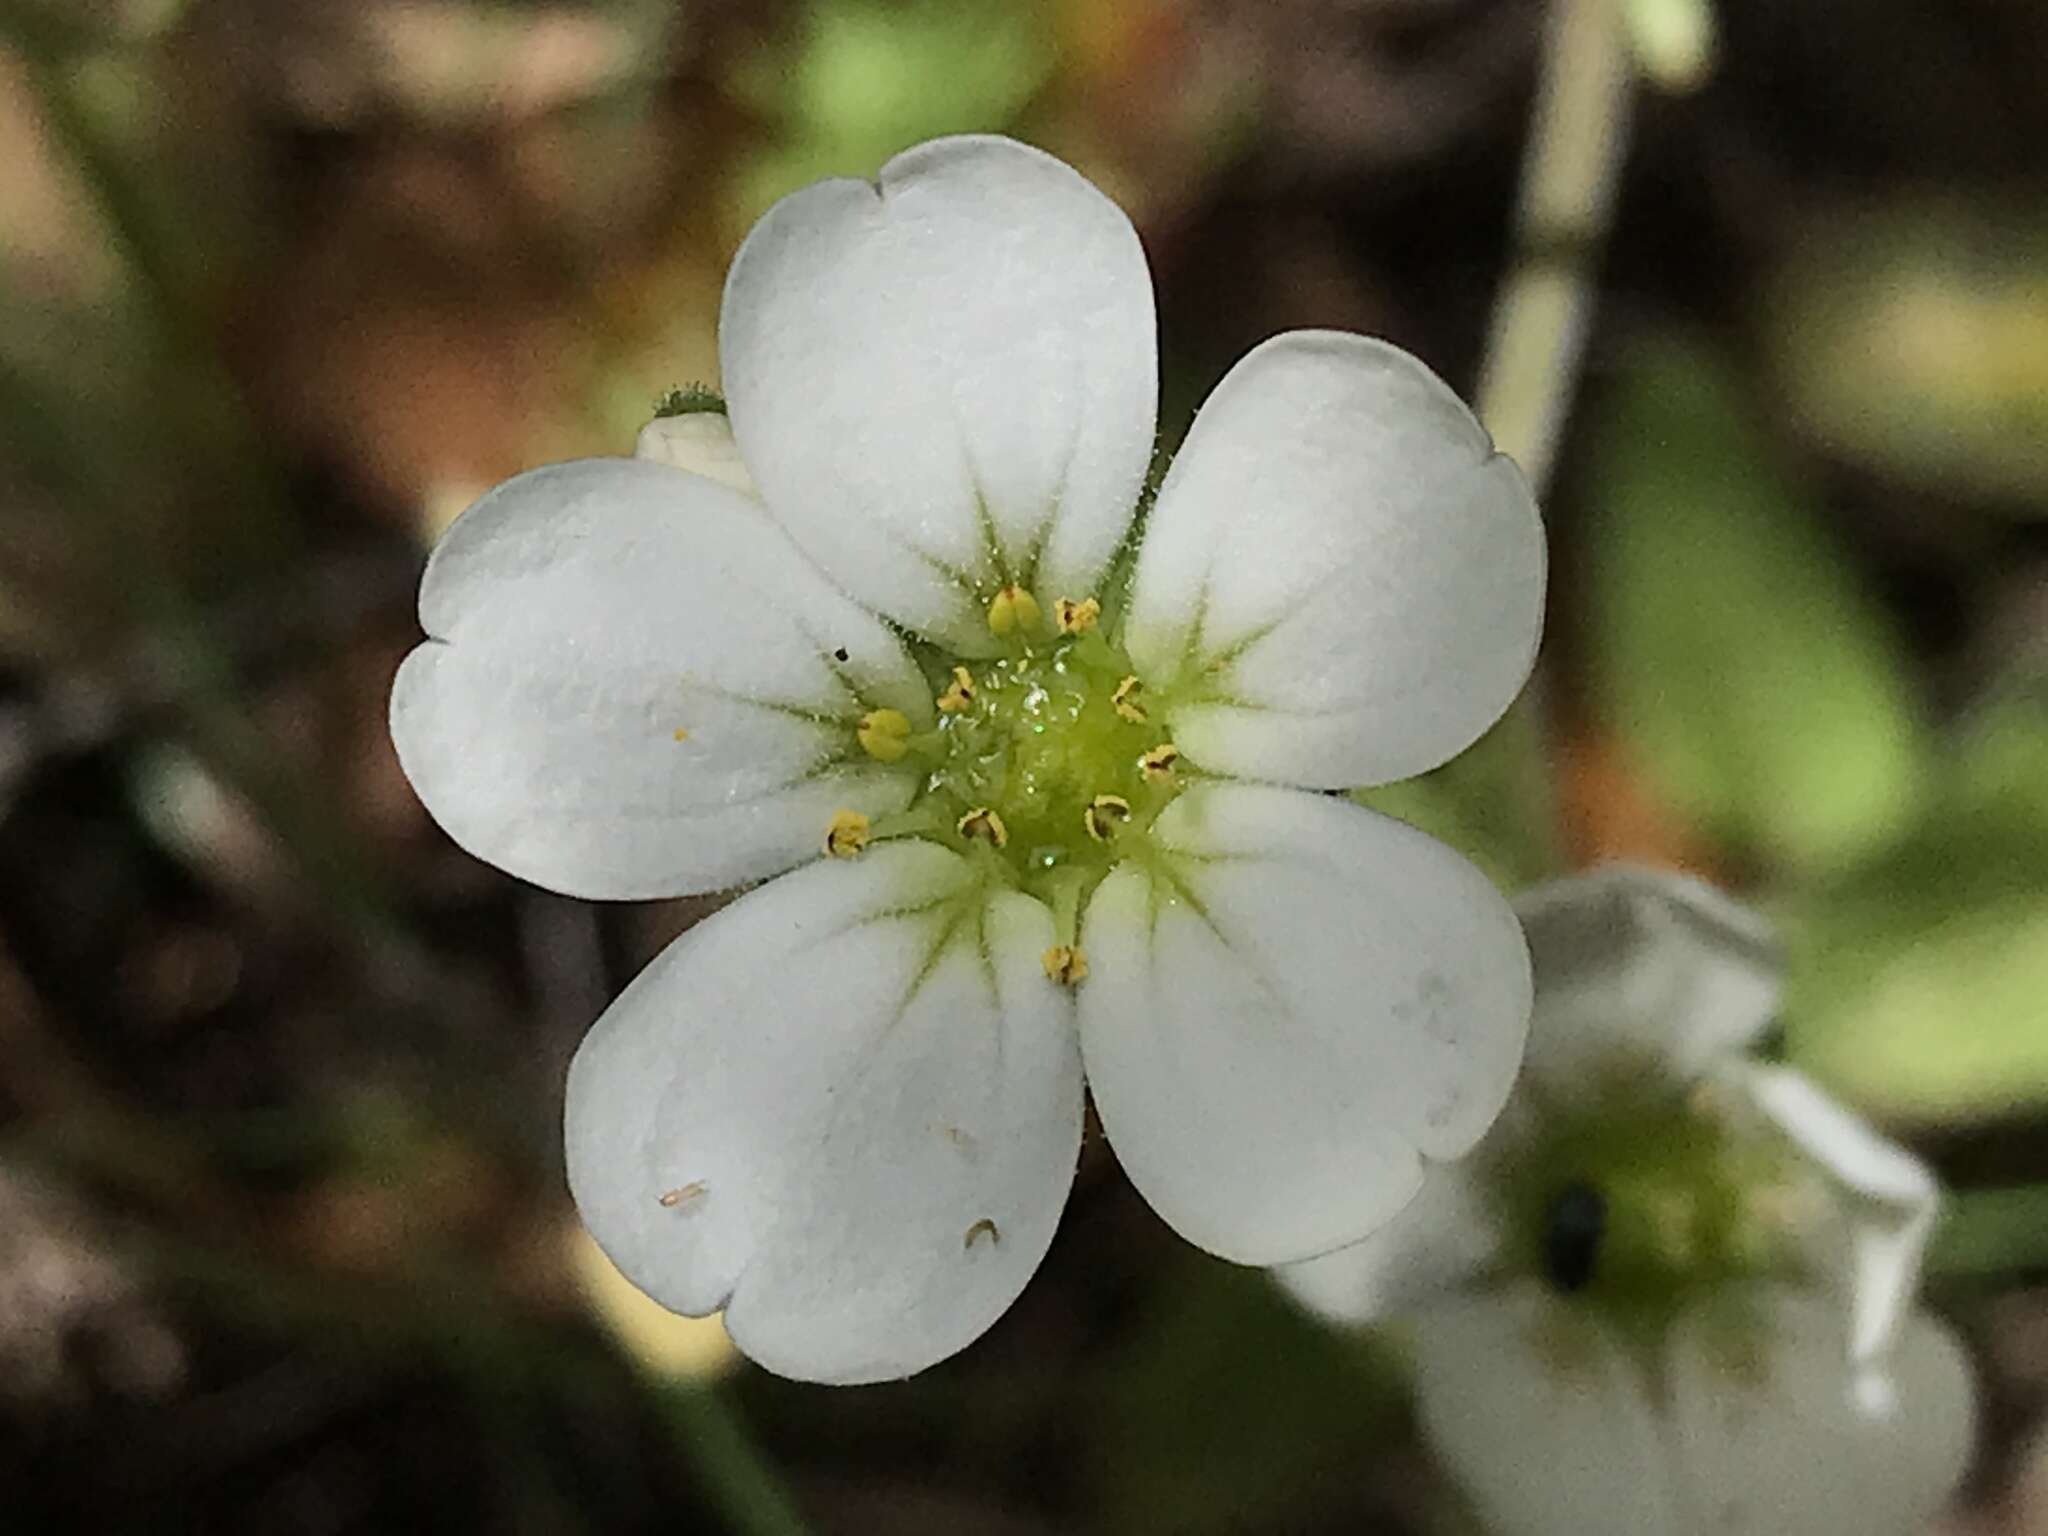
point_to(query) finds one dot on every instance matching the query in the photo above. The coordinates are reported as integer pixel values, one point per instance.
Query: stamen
(884, 734)
(959, 693)
(1065, 964)
(847, 834)
(983, 823)
(1125, 700)
(1157, 765)
(1076, 618)
(1014, 609)
(680, 734)
(1104, 815)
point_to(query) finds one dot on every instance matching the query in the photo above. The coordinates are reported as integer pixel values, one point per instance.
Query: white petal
(1543, 1418)
(946, 379)
(1443, 1238)
(630, 687)
(1777, 1439)
(1892, 1202)
(1288, 1007)
(1636, 964)
(863, 1100)
(1342, 564)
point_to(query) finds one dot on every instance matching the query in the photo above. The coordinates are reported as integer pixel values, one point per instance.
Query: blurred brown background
(283, 1241)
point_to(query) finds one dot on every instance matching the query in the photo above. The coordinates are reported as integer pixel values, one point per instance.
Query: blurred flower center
(1644, 1197)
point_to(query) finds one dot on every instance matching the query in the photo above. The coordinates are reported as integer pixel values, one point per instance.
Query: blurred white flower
(1072, 804)
(1670, 1294)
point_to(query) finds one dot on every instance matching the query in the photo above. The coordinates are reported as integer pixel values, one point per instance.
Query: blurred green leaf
(1750, 675)
(871, 77)
(1919, 987)
(2002, 754)
(1914, 337)
(1230, 1411)
(1991, 1232)
(1492, 802)
(1924, 995)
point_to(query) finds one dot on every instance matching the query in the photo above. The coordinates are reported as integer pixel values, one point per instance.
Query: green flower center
(1055, 742)
(1049, 762)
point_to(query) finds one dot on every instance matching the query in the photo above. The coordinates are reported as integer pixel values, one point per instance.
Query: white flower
(1076, 811)
(1670, 1294)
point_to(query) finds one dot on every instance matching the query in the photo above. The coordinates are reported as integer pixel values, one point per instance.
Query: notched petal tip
(844, 1110)
(945, 382)
(622, 698)
(1291, 1003)
(1383, 610)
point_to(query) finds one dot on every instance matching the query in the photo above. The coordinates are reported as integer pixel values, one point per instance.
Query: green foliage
(1919, 987)
(1491, 802)
(871, 77)
(1733, 649)
(1231, 1411)
(1913, 336)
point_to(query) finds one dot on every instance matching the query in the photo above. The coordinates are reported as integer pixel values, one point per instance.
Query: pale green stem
(738, 1477)
(1544, 309)
(1575, 150)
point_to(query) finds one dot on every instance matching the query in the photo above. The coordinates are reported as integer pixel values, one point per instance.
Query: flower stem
(1568, 175)
(738, 1478)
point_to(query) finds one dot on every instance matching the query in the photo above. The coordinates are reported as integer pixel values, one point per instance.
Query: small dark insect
(1573, 1225)
(840, 654)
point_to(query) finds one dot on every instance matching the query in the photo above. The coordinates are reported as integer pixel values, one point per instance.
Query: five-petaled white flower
(1070, 786)
(1670, 1294)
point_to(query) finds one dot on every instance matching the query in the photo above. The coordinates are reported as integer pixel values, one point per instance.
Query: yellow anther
(1125, 700)
(959, 693)
(847, 834)
(983, 823)
(1065, 964)
(1076, 618)
(1157, 765)
(884, 734)
(1014, 609)
(1104, 815)
(680, 733)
